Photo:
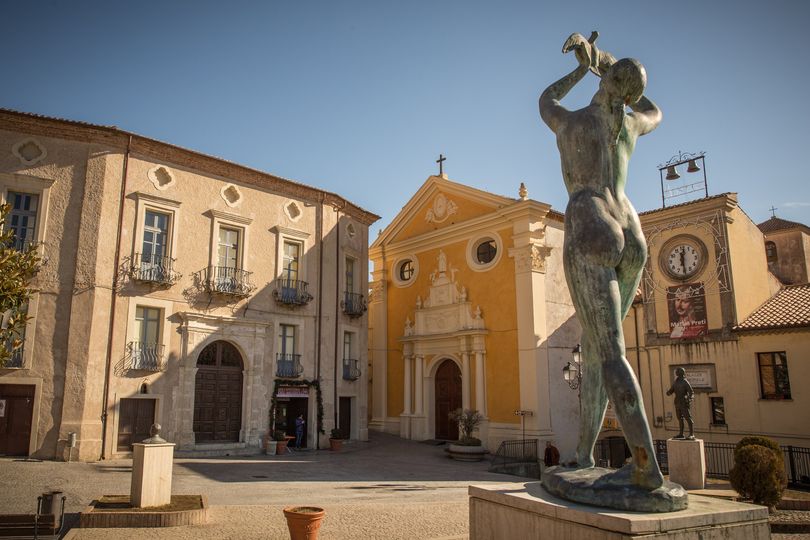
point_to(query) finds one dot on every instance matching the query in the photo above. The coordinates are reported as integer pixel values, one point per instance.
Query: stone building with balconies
(216, 300)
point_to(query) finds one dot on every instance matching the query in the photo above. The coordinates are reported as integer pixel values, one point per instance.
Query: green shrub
(759, 441)
(468, 420)
(758, 474)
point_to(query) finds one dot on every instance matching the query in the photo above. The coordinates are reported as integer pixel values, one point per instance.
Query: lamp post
(572, 372)
(523, 414)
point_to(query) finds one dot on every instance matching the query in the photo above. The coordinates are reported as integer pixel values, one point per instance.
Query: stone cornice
(725, 202)
(227, 216)
(27, 123)
(502, 218)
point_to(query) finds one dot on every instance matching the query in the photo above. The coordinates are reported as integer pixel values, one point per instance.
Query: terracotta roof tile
(789, 308)
(778, 224)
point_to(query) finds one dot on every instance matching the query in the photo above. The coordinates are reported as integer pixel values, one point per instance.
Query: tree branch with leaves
(19, 263)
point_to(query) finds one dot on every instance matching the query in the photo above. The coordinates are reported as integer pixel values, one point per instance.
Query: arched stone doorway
(447, 399)
(218, 394)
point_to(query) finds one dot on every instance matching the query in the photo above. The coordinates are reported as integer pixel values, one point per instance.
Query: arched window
(770, 252)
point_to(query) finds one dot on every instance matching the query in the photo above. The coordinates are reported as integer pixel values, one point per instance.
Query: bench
(32, 526)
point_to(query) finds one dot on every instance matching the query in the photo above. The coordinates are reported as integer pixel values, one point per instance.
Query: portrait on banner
(687, 311)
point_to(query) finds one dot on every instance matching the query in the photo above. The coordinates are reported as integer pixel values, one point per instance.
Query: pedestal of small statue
(687, 462)
(151, 474)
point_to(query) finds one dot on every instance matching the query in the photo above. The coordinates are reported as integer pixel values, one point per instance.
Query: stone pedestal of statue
(151, 474)
(687, 463)
(527, 510)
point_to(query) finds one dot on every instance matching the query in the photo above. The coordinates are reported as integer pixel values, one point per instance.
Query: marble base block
(527, 511)
(687, 463)
(151, 474)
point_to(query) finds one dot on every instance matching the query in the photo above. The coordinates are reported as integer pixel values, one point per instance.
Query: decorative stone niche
(161, 177)
(29, 151)
(350, 230)
(293, 211)
(231, 195)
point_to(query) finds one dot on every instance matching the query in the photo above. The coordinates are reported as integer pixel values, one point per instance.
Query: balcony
(146, 356)
(156, 270)
(351, 371)
(292, 292)
(353, 304)
(288, 365)
(228, 281)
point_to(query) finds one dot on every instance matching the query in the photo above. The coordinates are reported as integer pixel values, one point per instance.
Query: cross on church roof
(773, 211)
(441, 161)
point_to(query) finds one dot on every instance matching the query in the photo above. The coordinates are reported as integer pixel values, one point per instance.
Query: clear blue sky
(360, 97)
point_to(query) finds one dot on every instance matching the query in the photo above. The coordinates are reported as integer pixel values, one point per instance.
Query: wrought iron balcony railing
(228, 280)
(151, 269)
(146, 356)
(353, 304)
(351, 371)
(292, 292)
(288, 365)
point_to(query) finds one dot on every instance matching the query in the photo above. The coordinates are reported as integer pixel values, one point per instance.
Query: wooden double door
(135, 418)
(218, 394)
(16, 417)
(448, 399)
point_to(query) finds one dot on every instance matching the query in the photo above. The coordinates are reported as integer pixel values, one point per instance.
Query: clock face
(683, 260)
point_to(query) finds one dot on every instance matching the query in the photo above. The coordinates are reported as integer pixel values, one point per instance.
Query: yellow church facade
(469, 309)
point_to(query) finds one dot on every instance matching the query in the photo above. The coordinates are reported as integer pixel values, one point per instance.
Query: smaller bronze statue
(155, 437)
(683, 402)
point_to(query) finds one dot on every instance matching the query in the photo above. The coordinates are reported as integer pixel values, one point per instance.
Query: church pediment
(440, 203)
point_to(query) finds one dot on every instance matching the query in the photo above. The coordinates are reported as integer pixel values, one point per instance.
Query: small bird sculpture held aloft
(587, 52)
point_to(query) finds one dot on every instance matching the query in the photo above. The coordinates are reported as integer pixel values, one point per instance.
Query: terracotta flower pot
(303, 521)
(281, 448)
(335, 444)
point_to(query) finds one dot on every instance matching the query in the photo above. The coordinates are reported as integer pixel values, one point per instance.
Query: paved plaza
(385, 488)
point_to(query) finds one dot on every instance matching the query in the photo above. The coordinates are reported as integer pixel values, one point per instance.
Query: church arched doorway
(218, 394)
(448, 398)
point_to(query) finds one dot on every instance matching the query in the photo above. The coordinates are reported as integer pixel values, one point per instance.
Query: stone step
(218, 450)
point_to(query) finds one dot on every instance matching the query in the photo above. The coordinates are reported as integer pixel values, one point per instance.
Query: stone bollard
(687, 462)
(152, 471)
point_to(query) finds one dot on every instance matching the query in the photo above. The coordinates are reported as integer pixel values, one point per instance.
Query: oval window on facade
(406, 270)
(485, 251)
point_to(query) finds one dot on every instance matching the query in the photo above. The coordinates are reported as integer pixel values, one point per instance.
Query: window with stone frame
(773, 375)
(718, 411)
(22, 219)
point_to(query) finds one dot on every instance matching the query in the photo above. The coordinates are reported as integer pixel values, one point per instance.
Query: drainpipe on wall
(337, 306)
(319, 235)
(108, 366)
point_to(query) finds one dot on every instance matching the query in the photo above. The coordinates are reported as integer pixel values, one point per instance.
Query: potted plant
(281, 441)
(335, 440)
(303, 521)
(467, 448)
(269, 444)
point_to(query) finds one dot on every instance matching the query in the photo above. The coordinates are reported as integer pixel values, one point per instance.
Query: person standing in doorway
(551, 457)
(299, 430)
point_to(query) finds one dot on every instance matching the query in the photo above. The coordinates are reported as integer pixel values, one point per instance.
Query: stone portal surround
(198, 330)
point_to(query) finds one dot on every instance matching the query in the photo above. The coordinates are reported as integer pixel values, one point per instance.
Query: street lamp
(572, 372)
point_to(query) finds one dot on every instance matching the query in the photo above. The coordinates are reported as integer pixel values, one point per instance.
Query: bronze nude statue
(603, 256)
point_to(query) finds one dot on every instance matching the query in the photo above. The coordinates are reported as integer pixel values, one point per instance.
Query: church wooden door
(448, 399)
(218, 394)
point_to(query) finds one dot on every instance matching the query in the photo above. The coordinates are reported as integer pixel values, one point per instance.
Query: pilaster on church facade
(466, 302)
